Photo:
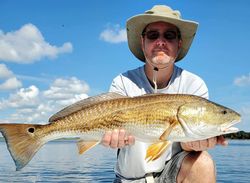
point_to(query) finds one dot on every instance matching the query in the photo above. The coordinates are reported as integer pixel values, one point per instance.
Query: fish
(158, 119)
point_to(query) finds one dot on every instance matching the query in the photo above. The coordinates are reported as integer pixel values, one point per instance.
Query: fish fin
(166, 133)
(83, 104)
(84, 146)
(155, 150)
(22, 142)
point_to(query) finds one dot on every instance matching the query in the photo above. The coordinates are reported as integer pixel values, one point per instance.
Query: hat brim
(136, 24)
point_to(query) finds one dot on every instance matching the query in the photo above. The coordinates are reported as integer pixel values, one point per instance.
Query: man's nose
(161, 41)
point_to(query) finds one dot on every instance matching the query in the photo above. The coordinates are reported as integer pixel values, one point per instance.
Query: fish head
(204, 119)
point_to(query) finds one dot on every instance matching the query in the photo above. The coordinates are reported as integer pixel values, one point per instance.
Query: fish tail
(22, 142)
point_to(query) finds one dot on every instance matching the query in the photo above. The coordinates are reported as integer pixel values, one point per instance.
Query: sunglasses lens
(170, 35)
(152, 35)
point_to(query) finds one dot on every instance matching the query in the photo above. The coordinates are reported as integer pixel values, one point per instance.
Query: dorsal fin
(83, 104)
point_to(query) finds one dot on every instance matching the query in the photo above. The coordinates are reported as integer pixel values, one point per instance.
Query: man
(159, 37)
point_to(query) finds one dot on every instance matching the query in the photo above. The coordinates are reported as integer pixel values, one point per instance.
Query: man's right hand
(117, 139)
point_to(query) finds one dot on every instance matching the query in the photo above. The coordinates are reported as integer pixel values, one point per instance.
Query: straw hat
(136, 24)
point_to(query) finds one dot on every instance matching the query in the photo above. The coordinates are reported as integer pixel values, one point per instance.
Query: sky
(56, 52)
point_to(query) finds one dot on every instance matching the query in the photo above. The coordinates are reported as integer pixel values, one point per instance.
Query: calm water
(233, 162)
(59, 162)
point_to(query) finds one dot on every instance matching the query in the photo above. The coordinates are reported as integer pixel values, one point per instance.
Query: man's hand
(117, 139)
(203, 145)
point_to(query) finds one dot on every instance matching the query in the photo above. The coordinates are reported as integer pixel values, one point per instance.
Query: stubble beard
(161, 60)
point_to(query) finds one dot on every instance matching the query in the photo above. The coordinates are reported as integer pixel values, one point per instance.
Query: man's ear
(179, 44)
(179, 47)
(142, 43)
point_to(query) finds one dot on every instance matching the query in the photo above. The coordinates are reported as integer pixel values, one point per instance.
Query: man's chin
(161, 65)
(162, 59)
(162, 62)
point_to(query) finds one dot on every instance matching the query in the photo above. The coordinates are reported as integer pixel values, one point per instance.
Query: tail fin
(22, 142)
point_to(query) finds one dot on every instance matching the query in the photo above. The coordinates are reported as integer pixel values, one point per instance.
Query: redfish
(155, 118)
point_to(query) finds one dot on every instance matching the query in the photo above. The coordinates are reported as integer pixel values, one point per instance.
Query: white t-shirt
(131, 159)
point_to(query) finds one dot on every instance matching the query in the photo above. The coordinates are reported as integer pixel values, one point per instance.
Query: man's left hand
(203, 145)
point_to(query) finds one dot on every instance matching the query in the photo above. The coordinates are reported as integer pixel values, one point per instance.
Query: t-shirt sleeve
(200, 88)
(117, 86)
(194, 85)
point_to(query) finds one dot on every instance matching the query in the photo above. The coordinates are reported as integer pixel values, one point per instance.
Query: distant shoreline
(241, 135)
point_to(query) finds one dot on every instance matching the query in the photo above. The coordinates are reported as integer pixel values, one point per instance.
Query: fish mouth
(228, 128)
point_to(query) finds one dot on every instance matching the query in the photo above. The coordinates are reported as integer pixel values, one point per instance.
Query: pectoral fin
(84, 146)
(166, 133)
(155, 150)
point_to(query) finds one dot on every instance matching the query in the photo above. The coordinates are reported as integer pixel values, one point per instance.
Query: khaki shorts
(168, 174)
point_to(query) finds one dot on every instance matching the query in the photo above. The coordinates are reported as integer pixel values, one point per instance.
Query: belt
(149, 178)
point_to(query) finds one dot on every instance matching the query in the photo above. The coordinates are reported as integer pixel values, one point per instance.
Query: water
(233, 162)
(58, 161)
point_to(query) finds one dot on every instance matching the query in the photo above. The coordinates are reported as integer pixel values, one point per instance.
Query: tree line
(238, 135)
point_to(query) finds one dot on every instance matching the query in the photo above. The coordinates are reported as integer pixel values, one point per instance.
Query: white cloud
(23, 98)
(66, 88)
(243, 80)
(5, 72)
(27, 45)
(114, 34)
(31, 105)
(10, 84)
(244, 110)
(10, 81)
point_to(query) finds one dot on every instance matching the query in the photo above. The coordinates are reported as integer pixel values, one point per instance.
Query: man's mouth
(156, 51)
(160, 53)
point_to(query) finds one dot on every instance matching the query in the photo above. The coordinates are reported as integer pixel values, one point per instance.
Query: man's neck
(162, 76)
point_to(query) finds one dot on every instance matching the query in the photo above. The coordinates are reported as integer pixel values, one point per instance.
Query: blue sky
(53, 53)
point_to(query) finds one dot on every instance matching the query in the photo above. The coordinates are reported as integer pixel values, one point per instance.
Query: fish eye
(224, 112)
(31, 130)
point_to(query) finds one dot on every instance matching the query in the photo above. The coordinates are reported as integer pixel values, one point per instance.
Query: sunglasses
(168, 35)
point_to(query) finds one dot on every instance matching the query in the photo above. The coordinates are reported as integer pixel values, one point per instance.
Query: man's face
(160, 43)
